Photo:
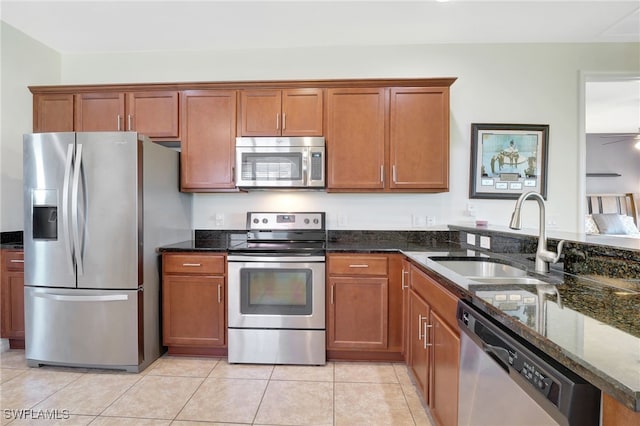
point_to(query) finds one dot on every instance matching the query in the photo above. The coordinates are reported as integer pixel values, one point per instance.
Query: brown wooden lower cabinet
(364, 306)
(193, 303)
(434, 345)
(616, 414)
(12, 294)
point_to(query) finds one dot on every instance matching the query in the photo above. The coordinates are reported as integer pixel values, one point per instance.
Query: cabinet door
(302, 112)
(208, 139)
(418, 348)
(419, 138)
(53, 113)
(406, 276)
(443, 395)
(12, 295)
(193, 310)
(358, 313)
(154, 114)
(261, 112)
(355, 139)
(99, 112)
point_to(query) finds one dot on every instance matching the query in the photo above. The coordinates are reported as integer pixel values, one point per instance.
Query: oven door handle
(274, 258)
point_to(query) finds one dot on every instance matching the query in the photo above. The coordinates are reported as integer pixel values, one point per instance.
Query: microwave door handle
(305, 167)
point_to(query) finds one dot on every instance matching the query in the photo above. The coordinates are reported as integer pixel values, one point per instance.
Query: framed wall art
(508, 160)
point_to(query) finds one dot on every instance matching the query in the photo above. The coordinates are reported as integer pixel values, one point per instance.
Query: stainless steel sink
(481, 268)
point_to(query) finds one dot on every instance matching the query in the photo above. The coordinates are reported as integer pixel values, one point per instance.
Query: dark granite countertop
(11, 240)
(586, 321)
(208, 245)
(589, 326)
(11, 246)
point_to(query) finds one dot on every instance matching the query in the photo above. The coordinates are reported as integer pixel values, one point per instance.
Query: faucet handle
(550, 256)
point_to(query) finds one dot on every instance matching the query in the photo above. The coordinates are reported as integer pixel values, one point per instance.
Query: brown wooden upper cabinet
(388, 139)
(153, 113)
(419, 138)
(53, 112)
(355, 139)
(208, 140)
(289, 112)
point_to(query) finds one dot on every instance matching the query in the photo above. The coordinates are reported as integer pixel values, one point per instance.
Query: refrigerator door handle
(75, 228)
(65, 207)
(67, 298)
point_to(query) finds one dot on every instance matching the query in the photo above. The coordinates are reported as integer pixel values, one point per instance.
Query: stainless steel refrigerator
(96, 207)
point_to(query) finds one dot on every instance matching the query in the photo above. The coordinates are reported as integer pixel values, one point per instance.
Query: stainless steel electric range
(276, 290)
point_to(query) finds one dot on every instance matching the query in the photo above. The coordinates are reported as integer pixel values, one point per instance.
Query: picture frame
(508, 160)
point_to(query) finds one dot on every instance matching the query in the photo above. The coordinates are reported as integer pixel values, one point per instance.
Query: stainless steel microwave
(280, 162)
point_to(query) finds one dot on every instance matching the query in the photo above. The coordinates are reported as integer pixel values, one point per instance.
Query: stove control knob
(306, 221)
(256, 221)
(316, 221)
(264, 221)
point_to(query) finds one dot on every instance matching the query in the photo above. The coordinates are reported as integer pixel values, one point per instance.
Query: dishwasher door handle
(498, 354)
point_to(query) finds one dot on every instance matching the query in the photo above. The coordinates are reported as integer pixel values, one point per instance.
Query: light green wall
(500, 83)
(25, 62)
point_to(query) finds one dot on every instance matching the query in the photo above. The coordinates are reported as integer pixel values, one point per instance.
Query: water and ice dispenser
(45, 214)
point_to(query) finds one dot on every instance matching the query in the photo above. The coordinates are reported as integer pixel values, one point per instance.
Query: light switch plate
(485, 242)
(471, 239)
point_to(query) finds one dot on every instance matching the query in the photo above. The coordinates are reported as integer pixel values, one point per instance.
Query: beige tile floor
(203, 391)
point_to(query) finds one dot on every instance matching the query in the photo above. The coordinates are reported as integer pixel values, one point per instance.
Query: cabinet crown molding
(239, 85)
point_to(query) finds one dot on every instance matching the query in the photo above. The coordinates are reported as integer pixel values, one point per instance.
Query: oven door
(271, 167)
(276, 292)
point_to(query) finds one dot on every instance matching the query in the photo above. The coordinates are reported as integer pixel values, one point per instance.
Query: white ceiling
(107, 26)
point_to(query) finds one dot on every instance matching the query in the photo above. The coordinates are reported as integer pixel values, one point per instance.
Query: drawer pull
(192, 265)
(359, 266)
(17, 260)
(219, 294)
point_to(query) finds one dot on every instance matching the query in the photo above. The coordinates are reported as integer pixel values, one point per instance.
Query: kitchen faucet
(543, 256)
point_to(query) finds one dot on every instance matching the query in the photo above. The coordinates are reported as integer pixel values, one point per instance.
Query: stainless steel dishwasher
(505, 381)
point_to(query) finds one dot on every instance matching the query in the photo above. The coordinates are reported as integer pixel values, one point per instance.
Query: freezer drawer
(83, 328)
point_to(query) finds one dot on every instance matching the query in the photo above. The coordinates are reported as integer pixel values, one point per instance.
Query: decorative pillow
(590, 226)
(609, 223)
(629, 226)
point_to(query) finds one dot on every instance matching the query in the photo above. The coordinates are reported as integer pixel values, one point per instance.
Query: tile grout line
(264, 392)
(175, 417)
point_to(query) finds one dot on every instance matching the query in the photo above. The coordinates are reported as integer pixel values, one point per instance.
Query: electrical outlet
(418, 221)
(471, 210)
(485, 242)
(342, 220)
(431, 220)
(219, 219)
(471, 239)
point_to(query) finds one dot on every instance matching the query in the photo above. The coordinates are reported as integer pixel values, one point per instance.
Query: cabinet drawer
(13, 260)
(358, 265)
(194, 264)
(440, 299)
